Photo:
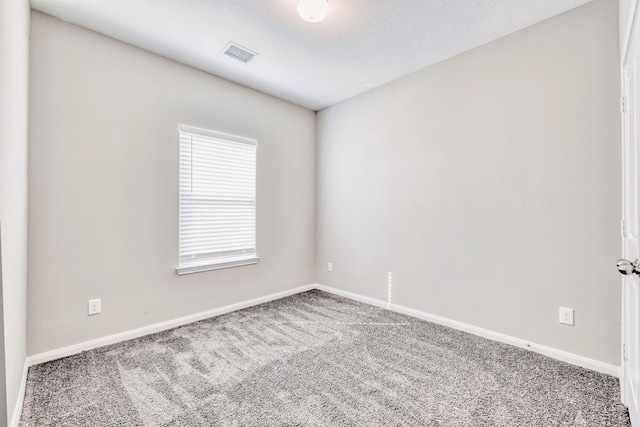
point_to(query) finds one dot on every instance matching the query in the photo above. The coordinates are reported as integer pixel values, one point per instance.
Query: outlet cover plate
(94, 306)
(330, 267)
(566, 316)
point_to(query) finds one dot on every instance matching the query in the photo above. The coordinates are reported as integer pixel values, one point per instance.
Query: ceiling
(360, 45)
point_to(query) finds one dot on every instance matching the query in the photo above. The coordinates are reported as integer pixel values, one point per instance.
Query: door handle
(627, 267)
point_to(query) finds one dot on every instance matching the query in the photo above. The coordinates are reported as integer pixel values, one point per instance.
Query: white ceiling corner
(360, 45)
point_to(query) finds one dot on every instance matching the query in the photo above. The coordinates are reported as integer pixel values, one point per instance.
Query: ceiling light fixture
(313, 10)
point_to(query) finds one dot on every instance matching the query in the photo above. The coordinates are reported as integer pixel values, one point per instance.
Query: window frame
(212, 263)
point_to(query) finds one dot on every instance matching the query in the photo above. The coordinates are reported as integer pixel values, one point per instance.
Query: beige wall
(14, 68)
(488, 185)
(103, 169)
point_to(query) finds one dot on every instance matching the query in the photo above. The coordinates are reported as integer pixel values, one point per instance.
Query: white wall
(488, 185)
(103, 170)
(14, 67)
(626, 8)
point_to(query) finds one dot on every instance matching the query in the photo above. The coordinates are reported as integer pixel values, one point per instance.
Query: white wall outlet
(94, 306)
(566, 316)
(330, 267)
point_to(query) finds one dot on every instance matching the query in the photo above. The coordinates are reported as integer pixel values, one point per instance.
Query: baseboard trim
(564, 356)
(554, 353)
(158, 327)
(17, 409)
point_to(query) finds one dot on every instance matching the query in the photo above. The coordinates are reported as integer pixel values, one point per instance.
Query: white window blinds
(217, 218)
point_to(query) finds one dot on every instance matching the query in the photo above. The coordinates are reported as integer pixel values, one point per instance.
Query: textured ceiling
(362, 43)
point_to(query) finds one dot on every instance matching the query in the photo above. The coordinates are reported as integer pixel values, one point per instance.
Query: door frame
(630, 30)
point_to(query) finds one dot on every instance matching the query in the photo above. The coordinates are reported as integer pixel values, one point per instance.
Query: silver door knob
(627, 267)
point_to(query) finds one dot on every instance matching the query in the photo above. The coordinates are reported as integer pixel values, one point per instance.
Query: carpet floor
(315, 359)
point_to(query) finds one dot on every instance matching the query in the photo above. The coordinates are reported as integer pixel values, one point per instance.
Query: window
(217, 218)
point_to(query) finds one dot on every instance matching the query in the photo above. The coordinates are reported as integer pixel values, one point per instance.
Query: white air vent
(238, 52)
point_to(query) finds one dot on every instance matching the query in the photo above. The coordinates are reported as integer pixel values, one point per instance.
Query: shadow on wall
(3, 381)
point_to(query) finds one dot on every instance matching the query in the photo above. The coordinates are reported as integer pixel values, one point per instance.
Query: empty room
(319, 213)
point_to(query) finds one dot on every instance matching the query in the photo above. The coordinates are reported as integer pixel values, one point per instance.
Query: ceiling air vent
(238, 52)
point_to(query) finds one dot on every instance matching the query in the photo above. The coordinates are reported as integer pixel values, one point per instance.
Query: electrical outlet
(330, 267)
(94, 306)
(566, 316)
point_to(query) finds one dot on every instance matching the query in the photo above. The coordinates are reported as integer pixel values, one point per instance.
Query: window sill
(217, 266)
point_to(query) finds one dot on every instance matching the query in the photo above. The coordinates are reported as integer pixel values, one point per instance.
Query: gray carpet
(315, 359)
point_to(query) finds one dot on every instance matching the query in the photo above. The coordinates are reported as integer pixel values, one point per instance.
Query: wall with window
(488, 185)
(103, 171)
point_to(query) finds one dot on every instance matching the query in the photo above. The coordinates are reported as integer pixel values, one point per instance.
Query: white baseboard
(158, 327)
(564, 356)
(17, 409)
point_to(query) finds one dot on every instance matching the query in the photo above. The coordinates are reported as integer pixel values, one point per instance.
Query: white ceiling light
(313, 10)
